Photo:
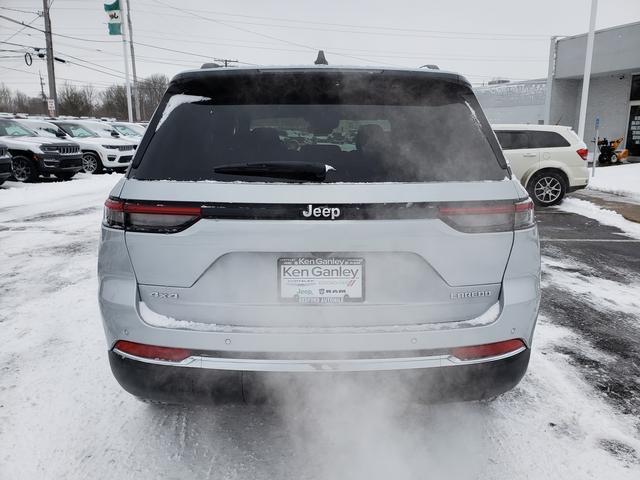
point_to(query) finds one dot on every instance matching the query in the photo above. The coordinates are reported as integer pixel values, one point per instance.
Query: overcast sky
(481, 39)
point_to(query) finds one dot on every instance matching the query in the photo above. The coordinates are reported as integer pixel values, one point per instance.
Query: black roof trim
(189, 75)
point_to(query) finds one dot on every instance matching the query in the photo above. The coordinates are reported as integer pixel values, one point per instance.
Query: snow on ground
(62, 415)
(618, 179)
(583, 281)
(602, 215)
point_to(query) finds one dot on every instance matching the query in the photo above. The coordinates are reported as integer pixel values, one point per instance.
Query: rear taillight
(477, 352)
(152, 352)
(149, 217)
(583, 152)
(524, 216)
(495, 217)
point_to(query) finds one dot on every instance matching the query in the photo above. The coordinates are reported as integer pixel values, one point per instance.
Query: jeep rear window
(367, 128)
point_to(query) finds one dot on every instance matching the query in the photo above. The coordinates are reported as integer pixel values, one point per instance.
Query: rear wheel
(65, 175)
(91, 163)
(24, 169)
(547, 188)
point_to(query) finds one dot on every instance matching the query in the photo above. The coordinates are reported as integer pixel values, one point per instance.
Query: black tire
(65, 175)
(24, 169)
(91, 163)
(547, 188)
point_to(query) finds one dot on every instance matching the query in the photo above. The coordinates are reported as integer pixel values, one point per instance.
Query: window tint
(538, 139)
(512, 140)
(374, 136)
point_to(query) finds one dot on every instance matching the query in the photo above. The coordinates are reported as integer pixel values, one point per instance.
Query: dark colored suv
(33, 155)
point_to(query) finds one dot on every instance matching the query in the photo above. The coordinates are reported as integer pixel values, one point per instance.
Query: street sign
(51, 106)
(597, 122)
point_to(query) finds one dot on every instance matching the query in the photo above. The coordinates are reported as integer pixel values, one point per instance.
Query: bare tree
(152, 89)
(77, 101)
(114, 102)
(84, 101)
(6, 98)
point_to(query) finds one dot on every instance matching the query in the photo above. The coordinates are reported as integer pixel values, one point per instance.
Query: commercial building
(614, 90)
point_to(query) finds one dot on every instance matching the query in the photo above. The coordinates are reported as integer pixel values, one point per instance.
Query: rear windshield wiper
(315, 172)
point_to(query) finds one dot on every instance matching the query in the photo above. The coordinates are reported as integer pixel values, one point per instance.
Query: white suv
(99, 153)
(234, 255)
(549, 160)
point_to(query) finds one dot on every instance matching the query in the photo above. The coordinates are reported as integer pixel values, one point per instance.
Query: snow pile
(602, 215)
(619, 180)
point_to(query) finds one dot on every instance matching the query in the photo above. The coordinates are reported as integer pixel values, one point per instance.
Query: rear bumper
(469, 381)
(518, 308)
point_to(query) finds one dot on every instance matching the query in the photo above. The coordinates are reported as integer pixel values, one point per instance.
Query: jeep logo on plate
(321, 212)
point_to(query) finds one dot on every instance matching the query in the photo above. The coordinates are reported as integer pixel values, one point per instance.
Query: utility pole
(126, 64)
(550, 73)
(50, 69)
(44, 96)
(136, 91)
(226, 61)
(587, 72)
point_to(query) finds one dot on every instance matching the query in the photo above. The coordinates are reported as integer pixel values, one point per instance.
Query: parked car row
(63, 148)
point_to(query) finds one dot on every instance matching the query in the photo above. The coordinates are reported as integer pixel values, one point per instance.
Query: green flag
(115, 22)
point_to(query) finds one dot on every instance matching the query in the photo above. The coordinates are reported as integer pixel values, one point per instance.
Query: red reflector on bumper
(152, 352)
(488, 350)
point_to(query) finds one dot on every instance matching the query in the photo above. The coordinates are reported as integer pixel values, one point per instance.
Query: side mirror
(115, 134)
(60, 134)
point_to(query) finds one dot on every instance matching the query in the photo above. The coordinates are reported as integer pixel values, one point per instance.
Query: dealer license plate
(321, 280)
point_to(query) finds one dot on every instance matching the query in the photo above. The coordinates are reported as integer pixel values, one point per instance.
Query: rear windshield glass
(366, 131)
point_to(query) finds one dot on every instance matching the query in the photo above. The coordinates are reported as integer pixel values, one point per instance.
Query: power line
(37, 12)
(56, 34)
(20, 30)
(61, 78)
(90, 63)
(213, 20)
(377, 29)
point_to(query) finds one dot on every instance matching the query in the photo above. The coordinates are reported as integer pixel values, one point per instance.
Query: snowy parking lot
(576, 414)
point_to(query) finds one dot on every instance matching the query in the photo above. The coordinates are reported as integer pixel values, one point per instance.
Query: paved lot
(606, 309)
(574, 416)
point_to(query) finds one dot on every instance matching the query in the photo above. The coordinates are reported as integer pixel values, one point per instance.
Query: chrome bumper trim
(341, 365)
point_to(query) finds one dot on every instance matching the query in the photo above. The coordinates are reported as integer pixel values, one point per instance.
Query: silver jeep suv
(310, 222)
